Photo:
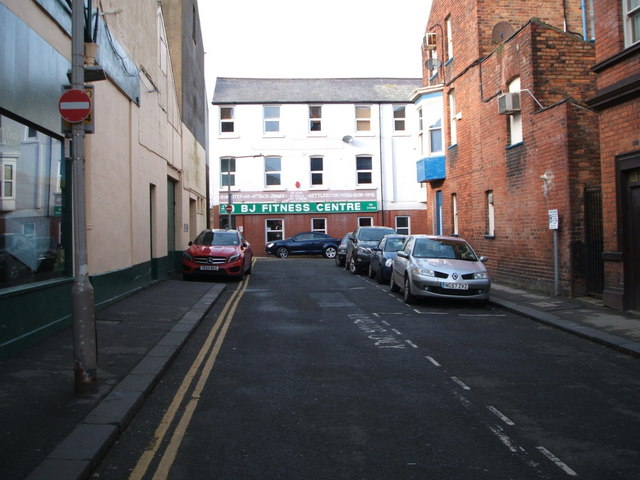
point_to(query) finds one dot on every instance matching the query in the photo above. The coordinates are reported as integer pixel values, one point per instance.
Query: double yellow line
(207, 355)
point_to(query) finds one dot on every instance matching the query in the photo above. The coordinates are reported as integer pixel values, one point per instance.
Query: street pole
(84, 326)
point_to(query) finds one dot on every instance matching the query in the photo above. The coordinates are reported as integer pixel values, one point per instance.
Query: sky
(302, 39)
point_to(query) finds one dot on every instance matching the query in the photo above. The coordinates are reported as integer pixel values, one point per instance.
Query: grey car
(438, 266)
(360, 245)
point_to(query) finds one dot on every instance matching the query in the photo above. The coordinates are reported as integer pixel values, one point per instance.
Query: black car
(305, 243)
(360, 244)
(381, 260)
(342, 250)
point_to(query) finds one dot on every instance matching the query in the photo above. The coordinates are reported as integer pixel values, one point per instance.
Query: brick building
(323, 155)
(520, 143)
(618, 102)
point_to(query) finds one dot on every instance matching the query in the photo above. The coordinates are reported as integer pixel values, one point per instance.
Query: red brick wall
(560, 140)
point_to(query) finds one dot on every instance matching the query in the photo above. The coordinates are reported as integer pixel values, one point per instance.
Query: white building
(315, 154)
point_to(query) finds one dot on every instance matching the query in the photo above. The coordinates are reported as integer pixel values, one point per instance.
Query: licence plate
(455, 286)
(209, 267)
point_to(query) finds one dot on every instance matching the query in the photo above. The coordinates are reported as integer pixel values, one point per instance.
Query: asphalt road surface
(305, 371)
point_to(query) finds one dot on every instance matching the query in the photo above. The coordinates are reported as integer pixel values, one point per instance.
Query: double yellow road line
(181, 417)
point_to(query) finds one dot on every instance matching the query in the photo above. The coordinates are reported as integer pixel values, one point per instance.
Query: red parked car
(217, 253)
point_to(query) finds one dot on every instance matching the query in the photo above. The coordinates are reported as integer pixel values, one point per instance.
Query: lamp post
(229, 206)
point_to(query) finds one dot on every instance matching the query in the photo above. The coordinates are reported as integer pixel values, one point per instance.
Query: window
(402, 225)
(449, 40)
(363, 118)
(228, 172)
(515, 120)
(365, 221)
(631, 11)
(315, 118)
(364, 167)
(31, 214)
(316, 168)
(274, 229)
(454, 213)
(272, 171)
(226, 120)
(399, 118)
(491, 225)
(435, 136)
(319, 225)
(452, 118)
(271, 118)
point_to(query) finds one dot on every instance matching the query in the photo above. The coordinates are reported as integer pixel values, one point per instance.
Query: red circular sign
(228, 208)
(74, 105)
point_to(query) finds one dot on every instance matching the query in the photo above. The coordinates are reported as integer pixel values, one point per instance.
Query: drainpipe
(381, 173)
(583, 7)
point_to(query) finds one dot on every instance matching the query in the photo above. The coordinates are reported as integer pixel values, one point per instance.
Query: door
(631, 234)
(439, 228)
(594, 266)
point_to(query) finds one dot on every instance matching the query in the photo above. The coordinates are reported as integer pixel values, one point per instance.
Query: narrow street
(311, 372)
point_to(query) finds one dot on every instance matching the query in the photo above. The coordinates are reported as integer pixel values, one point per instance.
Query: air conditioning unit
(509, 103)
(429, 41)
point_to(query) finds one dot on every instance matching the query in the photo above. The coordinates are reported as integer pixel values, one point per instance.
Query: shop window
(403, 225)
(319, 225)
(274, 229)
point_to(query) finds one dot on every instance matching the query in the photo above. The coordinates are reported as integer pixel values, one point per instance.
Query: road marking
(221, 326)
(481, 315)
(498, 414)
(557, 461)
(396, 331)
(460, 383)
(433, 361)
(411, 343)
(504, 438)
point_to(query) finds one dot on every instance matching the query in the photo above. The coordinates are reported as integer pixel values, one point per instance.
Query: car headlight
(270, 244)
(423, 271)
(186, 256)
(365, 250)
(234, 257)
(480, 275)
(389, 262)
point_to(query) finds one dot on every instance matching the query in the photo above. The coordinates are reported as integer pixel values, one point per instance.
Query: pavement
(49, 432)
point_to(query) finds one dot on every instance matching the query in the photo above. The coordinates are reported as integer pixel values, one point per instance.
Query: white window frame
(7, 202)
(399, 118)
(322, 229)
(227, 121)
(491, 216)
(453, 127)
(454, 212)
(272, 234)
(631, 21)
(515, 119)
(363, 118)
(316, 172)
(449, 39)
(271, 119)
(403, 230)
(313, 119)
(364, 170)
(228, 172)
(272, 172)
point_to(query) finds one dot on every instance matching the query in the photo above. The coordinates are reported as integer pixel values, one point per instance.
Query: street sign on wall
(299, 207)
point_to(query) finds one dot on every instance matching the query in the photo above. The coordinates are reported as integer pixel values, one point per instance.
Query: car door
(401, 262)
(300, 243)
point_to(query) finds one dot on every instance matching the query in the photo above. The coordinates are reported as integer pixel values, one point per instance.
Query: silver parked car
(437, 266)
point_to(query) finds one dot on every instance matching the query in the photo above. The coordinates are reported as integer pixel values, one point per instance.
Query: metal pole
(84, 326)
(556, 270)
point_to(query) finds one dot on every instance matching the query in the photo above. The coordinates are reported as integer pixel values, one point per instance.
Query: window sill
(273, 135)
(228, 135)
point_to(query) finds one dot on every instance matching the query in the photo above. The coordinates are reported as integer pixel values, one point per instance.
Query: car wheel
(392, 285)
(408, 296)
(372, 274)
(352, 266)
(330, 252)
(282, 252)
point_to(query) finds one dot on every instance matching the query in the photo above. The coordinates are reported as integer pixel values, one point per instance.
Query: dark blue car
(305, 243)
(382, 257)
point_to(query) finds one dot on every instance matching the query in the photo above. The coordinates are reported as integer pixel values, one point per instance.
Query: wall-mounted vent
(429, 41)
(509, 103)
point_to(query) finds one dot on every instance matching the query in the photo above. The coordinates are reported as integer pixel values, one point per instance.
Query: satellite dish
(501, 32)
(432, 63)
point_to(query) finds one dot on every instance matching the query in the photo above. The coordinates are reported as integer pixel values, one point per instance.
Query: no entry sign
(74, 105)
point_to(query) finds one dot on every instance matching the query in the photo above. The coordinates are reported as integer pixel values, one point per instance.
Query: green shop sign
(298, 207)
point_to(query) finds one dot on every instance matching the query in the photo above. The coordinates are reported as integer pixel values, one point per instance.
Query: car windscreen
(394, 244)
(217, 239)
(374, 235)
(452, 249)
